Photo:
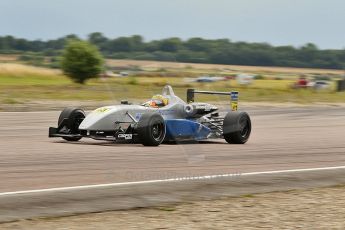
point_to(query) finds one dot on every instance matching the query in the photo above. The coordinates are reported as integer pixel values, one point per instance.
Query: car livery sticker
(234, 100)
(138, 116)
(125, 136)
(102, 110)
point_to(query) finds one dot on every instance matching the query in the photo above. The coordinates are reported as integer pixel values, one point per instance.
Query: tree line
(193, 50)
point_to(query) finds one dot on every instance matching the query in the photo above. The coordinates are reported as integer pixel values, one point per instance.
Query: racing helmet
(158, 101)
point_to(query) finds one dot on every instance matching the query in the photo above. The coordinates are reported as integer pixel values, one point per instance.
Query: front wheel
(73, 117)
(151, 129)
(237, 127)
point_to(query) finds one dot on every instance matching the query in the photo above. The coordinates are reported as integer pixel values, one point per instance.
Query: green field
(21, 84)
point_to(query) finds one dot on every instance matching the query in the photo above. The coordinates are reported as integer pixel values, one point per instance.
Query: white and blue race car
(165, 118)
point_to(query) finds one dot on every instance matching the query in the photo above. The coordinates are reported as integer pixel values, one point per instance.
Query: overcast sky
(279, 22)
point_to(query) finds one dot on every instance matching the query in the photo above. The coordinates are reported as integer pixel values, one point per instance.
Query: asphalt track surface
(282, 139)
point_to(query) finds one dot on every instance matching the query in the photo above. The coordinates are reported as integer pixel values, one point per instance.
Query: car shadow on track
(126, 144)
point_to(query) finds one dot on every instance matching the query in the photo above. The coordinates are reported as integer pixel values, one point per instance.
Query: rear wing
(233, 96)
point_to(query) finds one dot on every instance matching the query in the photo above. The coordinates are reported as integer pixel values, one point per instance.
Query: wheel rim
(245, 127)
(157, 131)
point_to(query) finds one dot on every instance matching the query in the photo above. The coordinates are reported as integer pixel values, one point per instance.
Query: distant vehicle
(124, 74)
(301, 83)
(319, 85)
(209, 79)
(109, 74)
(165, 117)
(230, 77)
(244, 79)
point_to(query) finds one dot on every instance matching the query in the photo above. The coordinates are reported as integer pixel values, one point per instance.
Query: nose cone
(99, 119)
(105, 118)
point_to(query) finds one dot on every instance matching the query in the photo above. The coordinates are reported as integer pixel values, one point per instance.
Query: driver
(157, 101)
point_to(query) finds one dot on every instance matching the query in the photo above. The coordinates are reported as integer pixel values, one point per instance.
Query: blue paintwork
(183, 129)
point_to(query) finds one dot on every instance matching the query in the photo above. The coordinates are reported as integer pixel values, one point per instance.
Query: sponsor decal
(166, 112)
(234, 105)
(234, 101)
(125, 136)
(138, 116)
(234, 96)
(102, 110)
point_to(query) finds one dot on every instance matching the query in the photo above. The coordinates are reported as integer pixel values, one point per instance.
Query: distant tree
(22, 44)
(81, 61)
(137, 43)
(197, 44)
(218, 51)
(170, 44)
(98, 39)
(121, 44)
(8, 42)
(151, 46)
(71, 37)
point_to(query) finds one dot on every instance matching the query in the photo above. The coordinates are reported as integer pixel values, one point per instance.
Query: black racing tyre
(151, 129)
(74, 117)
(237, 127)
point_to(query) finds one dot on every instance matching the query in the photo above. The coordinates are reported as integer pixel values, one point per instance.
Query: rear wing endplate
(233, 96)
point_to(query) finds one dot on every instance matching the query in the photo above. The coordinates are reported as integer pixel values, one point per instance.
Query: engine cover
(197, 109)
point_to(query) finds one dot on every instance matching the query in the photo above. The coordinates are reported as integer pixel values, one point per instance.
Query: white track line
(168, 180)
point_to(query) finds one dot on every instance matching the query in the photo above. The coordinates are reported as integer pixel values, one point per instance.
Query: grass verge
(22, 84)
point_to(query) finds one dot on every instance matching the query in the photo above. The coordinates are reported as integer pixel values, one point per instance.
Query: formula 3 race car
(165, 118)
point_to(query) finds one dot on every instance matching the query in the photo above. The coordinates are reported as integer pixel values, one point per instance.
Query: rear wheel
(237, 127)
(73, 117)
(151, 129)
